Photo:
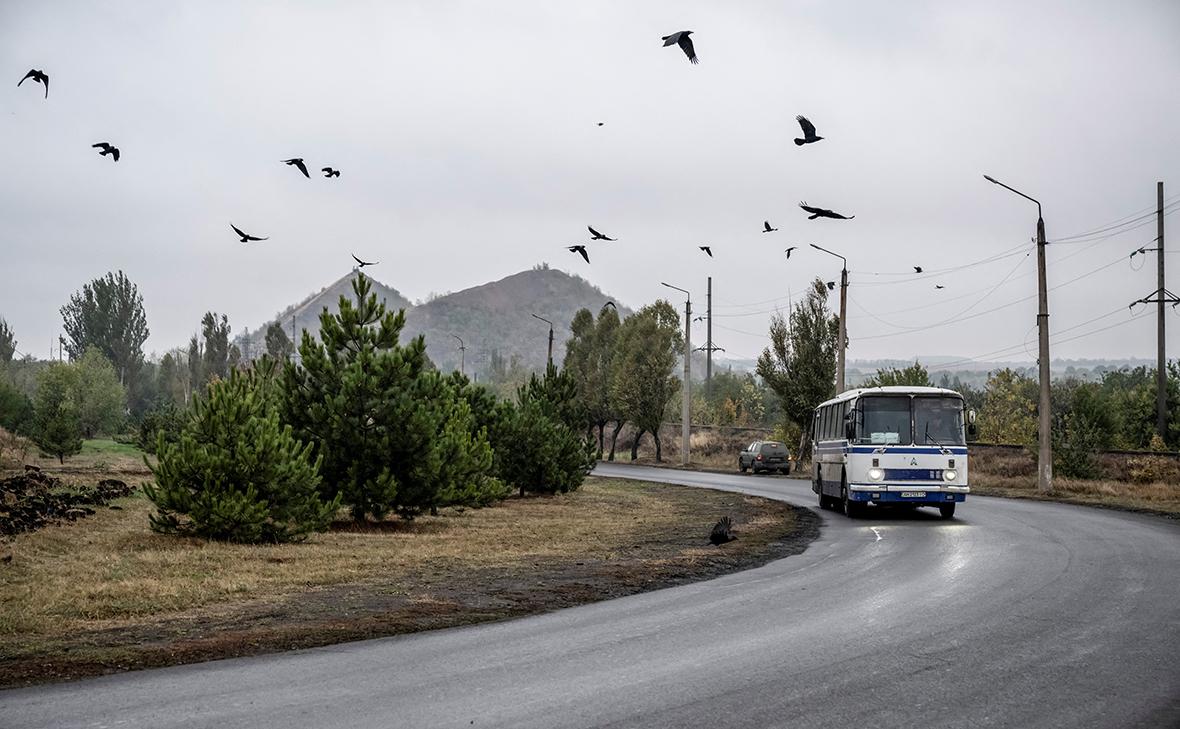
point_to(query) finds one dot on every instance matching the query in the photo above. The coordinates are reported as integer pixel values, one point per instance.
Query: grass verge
(106, 594)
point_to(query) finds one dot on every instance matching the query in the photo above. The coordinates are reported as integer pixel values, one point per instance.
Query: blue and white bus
(891, 446)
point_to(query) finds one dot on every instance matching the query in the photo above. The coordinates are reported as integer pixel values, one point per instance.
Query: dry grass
(106, 592)
(1142, 483)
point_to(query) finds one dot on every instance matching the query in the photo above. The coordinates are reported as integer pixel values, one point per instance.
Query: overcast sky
(467, 138)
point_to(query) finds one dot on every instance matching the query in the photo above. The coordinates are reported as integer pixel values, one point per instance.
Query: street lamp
(462, 354)
(686, 392)
(550, 358)
(1045, 444)
(843, 312)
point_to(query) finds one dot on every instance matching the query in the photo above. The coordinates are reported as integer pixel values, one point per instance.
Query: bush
(16, 409)
(235, 473)
(57, 424)
(1075, 447)
(167, 420)
(539, 454)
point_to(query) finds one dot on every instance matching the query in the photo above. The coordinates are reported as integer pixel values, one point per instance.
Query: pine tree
(278, 344)
(387, 425)
(236, 474)
(57, 426)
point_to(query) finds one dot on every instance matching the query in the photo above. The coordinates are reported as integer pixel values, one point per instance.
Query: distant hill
(306, 314)
(495, 316)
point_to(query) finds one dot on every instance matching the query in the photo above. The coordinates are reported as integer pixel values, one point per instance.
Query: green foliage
(57, 426)
(215, 357)
(97, 394)
(165, 421)
(1009, 412)
(643, 382)
(393, 433)
(7, 342)
(800, 364)
(1076, 441)
(506, 375)
(914, 375)
(537, 453)
(590, 360)
(16, 409)
(108, 314)
(236, 474)
(278, 344)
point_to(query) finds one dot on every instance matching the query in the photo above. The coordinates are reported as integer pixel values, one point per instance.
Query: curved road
(1015, 614)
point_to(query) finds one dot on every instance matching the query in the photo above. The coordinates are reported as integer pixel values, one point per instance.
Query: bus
(891, 446)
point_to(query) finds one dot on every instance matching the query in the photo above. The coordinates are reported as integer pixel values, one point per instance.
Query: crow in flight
(789, 251)
(297, 162)
(40, 77)
(329, 172)
(596, 235)
(917, 269)
(808, 132)
(601, 123)
(681, 38)
(580, 250)
(939, 286)
(107, 148)
(823, 213)
(708, 250)
(611, 304)
(246, 238)
(831, 285)
(766, 225)
(364, 263)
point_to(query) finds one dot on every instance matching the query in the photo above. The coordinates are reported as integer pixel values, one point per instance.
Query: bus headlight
(876, 474)
(950, 474)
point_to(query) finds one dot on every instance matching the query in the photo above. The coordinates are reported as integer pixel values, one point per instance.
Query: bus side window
(827, 422)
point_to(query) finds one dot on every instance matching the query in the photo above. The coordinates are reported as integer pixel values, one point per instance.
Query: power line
(1149, 211)
(1103, 235)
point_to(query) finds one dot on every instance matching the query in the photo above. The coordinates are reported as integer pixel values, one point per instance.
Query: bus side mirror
(971, 422)
(850, 426)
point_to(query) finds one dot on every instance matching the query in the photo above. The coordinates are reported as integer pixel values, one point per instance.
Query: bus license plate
(913, 494)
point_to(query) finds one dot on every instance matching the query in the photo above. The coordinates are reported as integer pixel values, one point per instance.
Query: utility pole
(709, 340)
(1044, 426)
(550, 359)
(843, 317)
(1161, 296)
(686, 393)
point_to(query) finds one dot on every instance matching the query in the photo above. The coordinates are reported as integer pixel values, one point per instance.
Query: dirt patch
(153, 601)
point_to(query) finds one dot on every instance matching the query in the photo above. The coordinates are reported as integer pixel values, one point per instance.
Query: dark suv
(765, 455)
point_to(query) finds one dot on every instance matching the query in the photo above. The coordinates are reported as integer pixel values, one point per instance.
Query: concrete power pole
(709, 339)
(843, 344)
(1159, 297)
(686, 392)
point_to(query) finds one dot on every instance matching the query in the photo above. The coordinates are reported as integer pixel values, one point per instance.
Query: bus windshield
(938, 421)
(885, 420)
(905, 420)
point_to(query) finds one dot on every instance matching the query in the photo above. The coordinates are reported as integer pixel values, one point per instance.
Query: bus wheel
(851, 508)
(947, 510)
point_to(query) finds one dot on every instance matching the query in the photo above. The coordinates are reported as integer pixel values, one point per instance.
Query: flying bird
(580, 250)
(681, 38)
(722, 532)
(595, 235)
(107, 148)
(789, 251)
(808, 132)
(767, 228)
(823, 213)
(297, 162)
(708, 250)
(43, 78)
(246, 238)
(611, 304)
(329, 172)
(601, 123)
(831, 285)
(939, 286)
(362, 264)
(917, 269)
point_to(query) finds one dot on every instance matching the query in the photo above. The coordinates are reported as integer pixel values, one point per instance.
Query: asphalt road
(1015, 614)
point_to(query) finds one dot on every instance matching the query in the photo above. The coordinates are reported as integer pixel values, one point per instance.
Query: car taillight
(758, 457)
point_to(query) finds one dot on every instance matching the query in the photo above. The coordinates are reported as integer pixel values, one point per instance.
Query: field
(106, 594)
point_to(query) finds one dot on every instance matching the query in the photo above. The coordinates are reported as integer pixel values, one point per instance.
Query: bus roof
(889, 390)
